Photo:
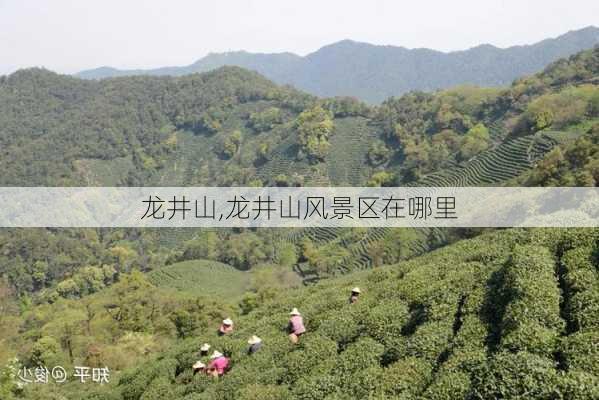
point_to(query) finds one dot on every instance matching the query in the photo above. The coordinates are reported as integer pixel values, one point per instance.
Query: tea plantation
(202, 277)
(508, 314)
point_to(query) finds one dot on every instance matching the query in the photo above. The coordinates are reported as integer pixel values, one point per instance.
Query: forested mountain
(373, 73)
(234, 127)
(121, 297)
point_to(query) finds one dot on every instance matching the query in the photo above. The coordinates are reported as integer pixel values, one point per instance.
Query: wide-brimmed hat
(254, 340)
(356, 290)
(199, 365)
(294, 312)
(216, 354)
(205, 347)
(227, 321)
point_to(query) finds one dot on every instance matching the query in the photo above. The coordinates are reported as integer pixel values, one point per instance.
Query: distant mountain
(374, 73)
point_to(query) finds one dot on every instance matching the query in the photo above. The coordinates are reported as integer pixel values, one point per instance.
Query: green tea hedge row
(532, 319)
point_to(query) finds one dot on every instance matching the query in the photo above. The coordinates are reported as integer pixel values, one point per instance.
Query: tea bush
(582, 286)
(385, 321)
(159, 389)
(515, 375)
(578, 385)
(406, 377)
(449, 386)
(581, 351)
(364, 353)
(430, 339)
(264, 392)
(457, 323)
(532, 319)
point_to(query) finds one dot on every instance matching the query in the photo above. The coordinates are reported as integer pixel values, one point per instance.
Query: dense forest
(142, 301)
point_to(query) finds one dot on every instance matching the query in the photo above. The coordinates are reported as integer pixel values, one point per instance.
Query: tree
(185, 323)
(232, 143)
(68, 289)
(40, 269)
(287, 255)
(125, 256)
(45, 351)
(378, 153)
(314, 127)
(380, 179)
(475, 141)
(9, 384)
(7, 303)
(245, 251)
(267, 119)
(205, 246)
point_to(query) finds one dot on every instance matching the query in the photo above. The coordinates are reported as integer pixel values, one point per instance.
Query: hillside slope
(374, 73)
(233, 127)
(202, 278)
(466, 321)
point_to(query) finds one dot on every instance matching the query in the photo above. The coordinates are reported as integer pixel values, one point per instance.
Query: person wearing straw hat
(355, 295)
(199, 367)
(255, 343)
(296, 326)
(204, 350)
(226, 327)
(219, 364)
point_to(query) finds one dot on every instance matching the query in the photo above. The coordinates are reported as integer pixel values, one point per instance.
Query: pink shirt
(297, 324)
(225, 328)
(219, 364)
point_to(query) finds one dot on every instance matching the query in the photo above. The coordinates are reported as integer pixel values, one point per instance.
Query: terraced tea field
(202, 278)
(492, 167)
(504, 162)
(469, 320)
(346, 163)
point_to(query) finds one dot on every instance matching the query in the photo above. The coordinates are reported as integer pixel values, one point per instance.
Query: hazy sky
(71, 35)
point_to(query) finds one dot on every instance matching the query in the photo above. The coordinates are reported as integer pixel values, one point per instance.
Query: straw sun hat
(216, 354)
(356, 290)
(227, 321)
(254, 340)
(199, 365)
(205, 347)
(294, 312)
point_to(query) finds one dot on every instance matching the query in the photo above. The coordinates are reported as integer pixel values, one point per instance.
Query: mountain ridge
(373, 73)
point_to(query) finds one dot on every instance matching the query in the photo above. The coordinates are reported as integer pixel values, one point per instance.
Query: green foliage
(569, 106)
(519, 375)
(434, 323)
(581, 352)
(232, 143)
(314, 127)
(418, 330)
(266, 392)
(202, 278)
(578, 385)
(204, 246)
(378, 153)
(406, 377)
(287, 255)
(45, 351)
(581, 283)
(448, 386)
(9, 385)
(573, 164)
(266, 120)
(324, 259)
(380, 179)
(475, 141)
(532, 319)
